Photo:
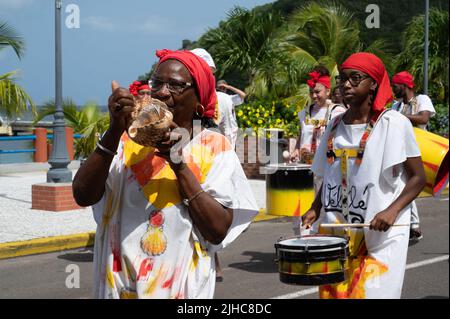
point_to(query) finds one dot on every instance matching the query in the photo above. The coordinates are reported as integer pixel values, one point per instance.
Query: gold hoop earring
(203, 111)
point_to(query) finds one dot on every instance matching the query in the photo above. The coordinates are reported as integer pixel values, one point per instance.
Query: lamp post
(425, 55)
(59, 158)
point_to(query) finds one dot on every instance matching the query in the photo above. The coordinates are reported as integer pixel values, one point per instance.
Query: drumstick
(356, 225)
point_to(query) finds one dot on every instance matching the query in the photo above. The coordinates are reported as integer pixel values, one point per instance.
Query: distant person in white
(226, 115)
(225, 118)
(418, 109)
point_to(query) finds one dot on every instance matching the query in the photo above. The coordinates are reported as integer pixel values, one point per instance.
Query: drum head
(312, 242)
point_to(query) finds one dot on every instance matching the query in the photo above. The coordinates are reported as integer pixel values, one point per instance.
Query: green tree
(245, 42)
(13, 98)
(89, 121)
(320, 33)
(412, 56)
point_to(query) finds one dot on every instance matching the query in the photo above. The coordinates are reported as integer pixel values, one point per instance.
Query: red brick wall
(53, 197)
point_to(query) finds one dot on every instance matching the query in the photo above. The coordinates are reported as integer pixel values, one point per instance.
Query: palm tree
(88, 121)
(412, 56)
(244, 42)
(13, 98)
(9, 38)
(325, 34)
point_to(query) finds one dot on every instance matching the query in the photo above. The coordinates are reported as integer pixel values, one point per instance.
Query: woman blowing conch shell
(159, 222)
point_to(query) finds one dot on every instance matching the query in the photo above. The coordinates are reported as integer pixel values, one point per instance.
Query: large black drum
(289, 189)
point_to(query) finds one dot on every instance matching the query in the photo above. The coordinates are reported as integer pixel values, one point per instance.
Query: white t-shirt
(372, 187)
(424, 104)
(227, 116)
(237, 100)
(317, 113)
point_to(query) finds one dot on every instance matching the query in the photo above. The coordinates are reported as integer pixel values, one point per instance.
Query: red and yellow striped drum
(434, 151)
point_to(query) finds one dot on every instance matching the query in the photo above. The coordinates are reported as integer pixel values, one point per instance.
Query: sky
(116, 40)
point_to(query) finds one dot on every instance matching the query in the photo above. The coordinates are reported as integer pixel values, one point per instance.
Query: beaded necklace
(345, 153)
(318, 124)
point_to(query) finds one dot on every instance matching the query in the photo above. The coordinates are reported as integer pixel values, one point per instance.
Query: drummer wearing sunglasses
(372, 171)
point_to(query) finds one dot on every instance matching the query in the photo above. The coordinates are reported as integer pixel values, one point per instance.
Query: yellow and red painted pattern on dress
(154, 175)
(360, 267)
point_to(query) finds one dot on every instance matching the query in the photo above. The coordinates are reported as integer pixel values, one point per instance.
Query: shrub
(439, 122)
(269, 114)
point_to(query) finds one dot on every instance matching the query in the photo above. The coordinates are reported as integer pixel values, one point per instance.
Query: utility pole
(425, 55)
(59, 158)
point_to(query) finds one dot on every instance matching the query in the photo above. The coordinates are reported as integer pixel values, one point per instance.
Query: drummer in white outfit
(418, 109)
(371, 170)
(313, 121)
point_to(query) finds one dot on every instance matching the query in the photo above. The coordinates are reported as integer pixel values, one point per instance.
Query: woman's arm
(415, 184)
(241, 93)
(314, 212)
(420, 118)
(209, 216)
(89, 183)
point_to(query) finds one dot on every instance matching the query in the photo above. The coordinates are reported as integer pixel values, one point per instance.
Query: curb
(45, 245)
(59, 243)
(66, 242)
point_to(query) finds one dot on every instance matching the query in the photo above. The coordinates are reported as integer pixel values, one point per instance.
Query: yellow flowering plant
(264, 114)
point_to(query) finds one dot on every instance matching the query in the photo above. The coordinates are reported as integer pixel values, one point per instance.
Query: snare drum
(312, 260)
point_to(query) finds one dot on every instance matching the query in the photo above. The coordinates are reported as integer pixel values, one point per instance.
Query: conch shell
(150, 121)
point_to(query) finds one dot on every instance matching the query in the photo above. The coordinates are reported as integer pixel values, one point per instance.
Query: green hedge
(439, 122)
(269, 114)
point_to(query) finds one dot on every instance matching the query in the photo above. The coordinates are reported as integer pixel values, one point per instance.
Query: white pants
(414, 214)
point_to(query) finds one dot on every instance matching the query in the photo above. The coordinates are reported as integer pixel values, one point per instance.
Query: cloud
(14, 4)
(156, 25)
(100, 23)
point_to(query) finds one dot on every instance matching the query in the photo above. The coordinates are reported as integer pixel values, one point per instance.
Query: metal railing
(25, 138)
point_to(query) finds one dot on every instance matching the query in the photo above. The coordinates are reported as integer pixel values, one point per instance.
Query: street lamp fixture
(59, 158)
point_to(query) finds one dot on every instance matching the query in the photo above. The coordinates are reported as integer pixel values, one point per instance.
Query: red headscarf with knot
(200, 72)
(136, 86)
(316, 77)
(371, 65)
(404, 78)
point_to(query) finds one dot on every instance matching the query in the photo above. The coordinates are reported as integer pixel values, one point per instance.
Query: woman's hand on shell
(170, 150)
(120, 105)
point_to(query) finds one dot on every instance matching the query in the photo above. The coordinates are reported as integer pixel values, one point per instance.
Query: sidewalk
(25, 231)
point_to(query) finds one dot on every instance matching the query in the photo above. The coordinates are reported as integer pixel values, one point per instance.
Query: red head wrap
(316, 77)
(404, 78)
(371, 65)
(136, 86)
(200, 72)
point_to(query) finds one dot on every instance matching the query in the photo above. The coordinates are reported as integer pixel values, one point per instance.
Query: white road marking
(426, 262)
(314, 290)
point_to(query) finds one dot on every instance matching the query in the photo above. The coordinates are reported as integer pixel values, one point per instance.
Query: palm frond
(9, 38)
(14, 100)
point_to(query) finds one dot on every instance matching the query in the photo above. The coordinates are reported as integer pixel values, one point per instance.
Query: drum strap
(344, 154)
